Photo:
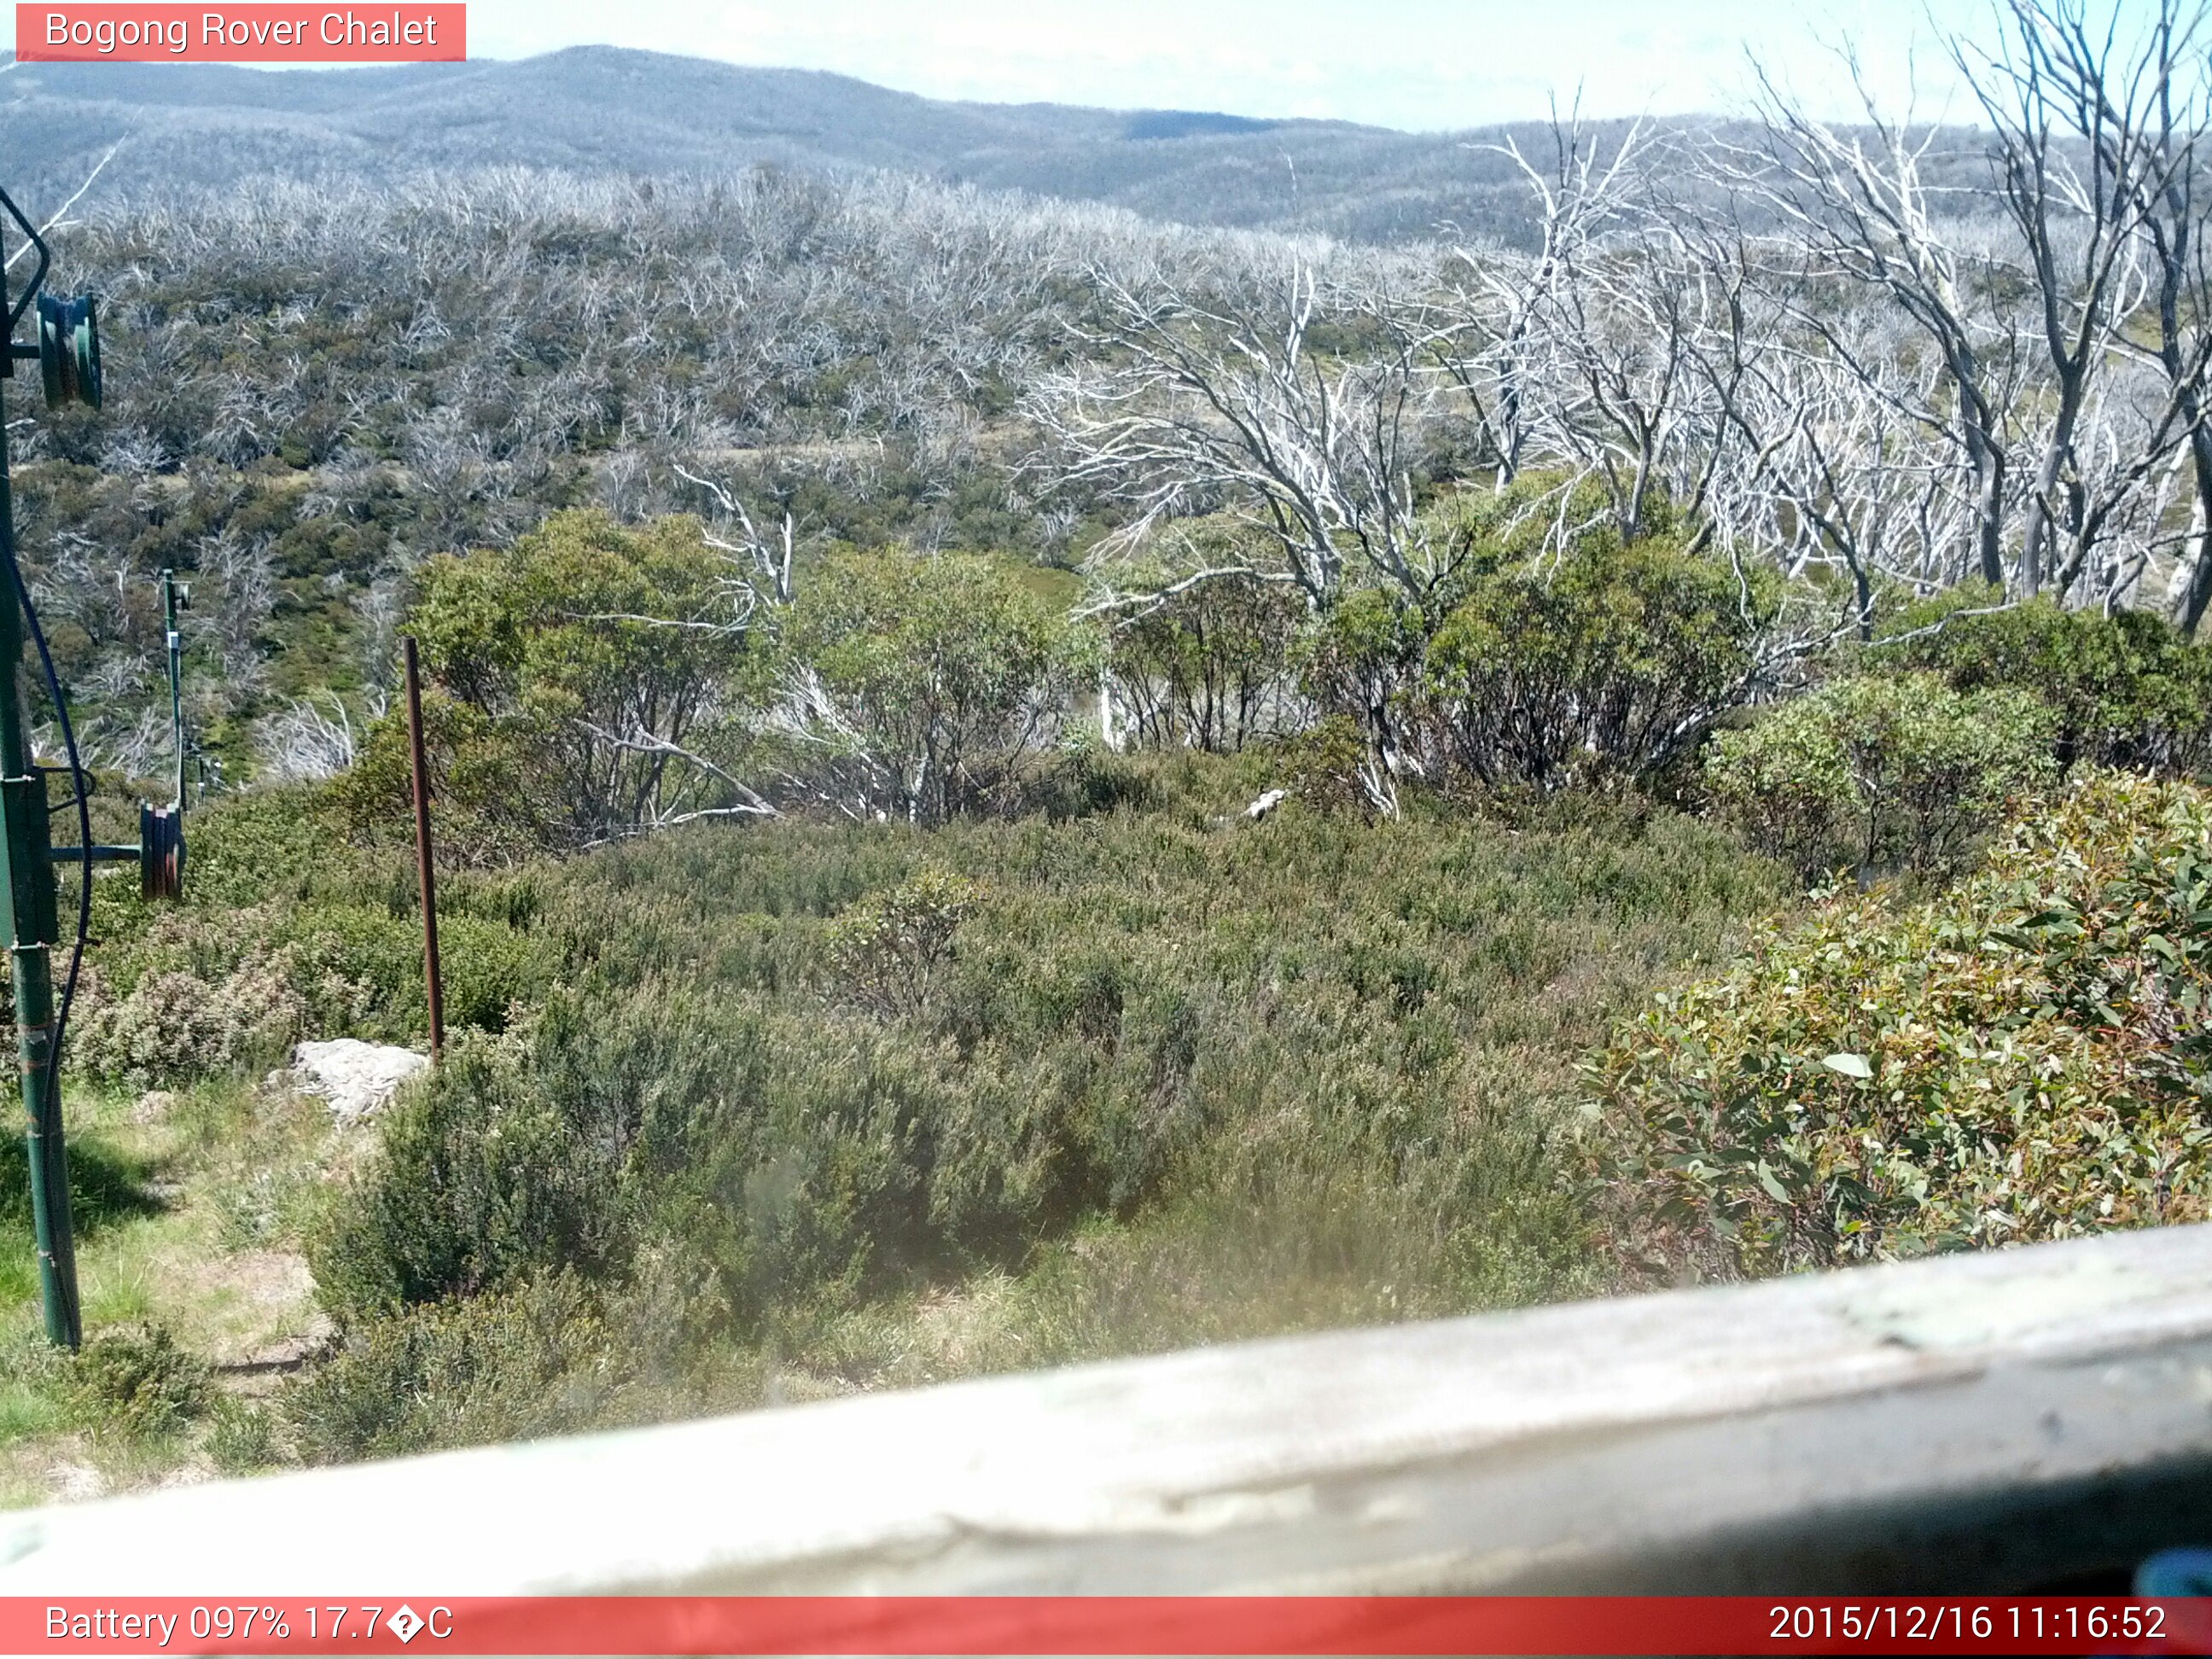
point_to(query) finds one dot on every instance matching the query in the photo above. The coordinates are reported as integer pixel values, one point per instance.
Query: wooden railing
(2027, 1419)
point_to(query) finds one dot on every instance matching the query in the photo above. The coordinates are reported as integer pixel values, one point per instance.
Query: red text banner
(1135, 1625)
(259, 33)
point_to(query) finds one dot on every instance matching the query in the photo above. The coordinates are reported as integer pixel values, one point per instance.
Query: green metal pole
(25, 849)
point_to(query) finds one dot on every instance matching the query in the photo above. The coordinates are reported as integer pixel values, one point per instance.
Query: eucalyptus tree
(2136, 105)
(1503, 309)
(1297, 396)
(1860, 202)
(2078, 212)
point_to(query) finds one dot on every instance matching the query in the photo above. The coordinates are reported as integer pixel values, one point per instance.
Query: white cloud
(1417, 63)
(1421, 65)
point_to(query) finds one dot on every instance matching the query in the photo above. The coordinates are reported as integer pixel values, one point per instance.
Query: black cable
(80, 787)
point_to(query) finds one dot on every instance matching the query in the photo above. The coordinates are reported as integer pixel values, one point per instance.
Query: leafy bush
(536, 1360)
(135, 1381)
(1330, 767)
(930, 682)
(243, 1437)
(173, 1027)
(2024, 1057)
(804, 1160)
(254, 847)
(361, 967)
(1207, 667)
(1083, 778)
(491, 804)
(2127, 690)
(1612, 662)
(574, 673)
(1882, 773)
(477, 1179)
(206, 990)
(1360, 665)
(1136, 1007)
(886, 951)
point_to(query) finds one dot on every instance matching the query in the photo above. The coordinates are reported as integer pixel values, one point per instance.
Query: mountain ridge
(605, 109)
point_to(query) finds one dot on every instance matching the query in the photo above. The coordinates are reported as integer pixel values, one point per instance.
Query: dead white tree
(1860, 203)
(2078, 153)
(59, 219)
(304, 745)
(1831, 458)
(1627, 319)
(1219, 398)
(1501, 310)
(2134, 100)
(759, 565)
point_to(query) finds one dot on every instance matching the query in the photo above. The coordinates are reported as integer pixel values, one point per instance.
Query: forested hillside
(602, 111)
(1015, 781)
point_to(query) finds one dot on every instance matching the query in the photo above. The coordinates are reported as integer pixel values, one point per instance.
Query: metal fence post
(422, 864)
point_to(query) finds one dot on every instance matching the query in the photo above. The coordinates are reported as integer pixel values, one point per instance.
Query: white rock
(354, 1076)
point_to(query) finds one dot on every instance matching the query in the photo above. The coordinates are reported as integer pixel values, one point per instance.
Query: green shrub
(244, 1436)
(1327, 767)
(137, 1381)
(173, 1027)
(1207, 667)
(572, 671)
(933, 681)
(805, 1159)
(1360, 664)
(488, 778)
(208, 994)
(536, 1360)
(1611, 663)
(1083, 778)
(2024, 1057)
(2127, 690)
(248, 848)
(288, 932)
(479, 1179)
(1880, 773)
(1133, 1005)
(885, 951)
(360, 968)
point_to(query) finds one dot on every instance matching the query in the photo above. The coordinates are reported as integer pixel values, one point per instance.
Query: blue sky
(1419, 64)
(1411, 64)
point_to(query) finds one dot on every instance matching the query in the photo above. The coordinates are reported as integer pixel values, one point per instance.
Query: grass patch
(177, 1295)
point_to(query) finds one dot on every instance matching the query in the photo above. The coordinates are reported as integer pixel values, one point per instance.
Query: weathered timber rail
(2012, 1420)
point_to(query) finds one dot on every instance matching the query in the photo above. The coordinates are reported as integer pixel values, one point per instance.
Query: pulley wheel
(161, 853)
(69, 350)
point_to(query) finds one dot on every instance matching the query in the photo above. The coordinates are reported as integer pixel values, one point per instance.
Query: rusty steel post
(422, 770)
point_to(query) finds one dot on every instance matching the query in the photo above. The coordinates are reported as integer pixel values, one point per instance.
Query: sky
(1422, 65)
(1417, 64)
